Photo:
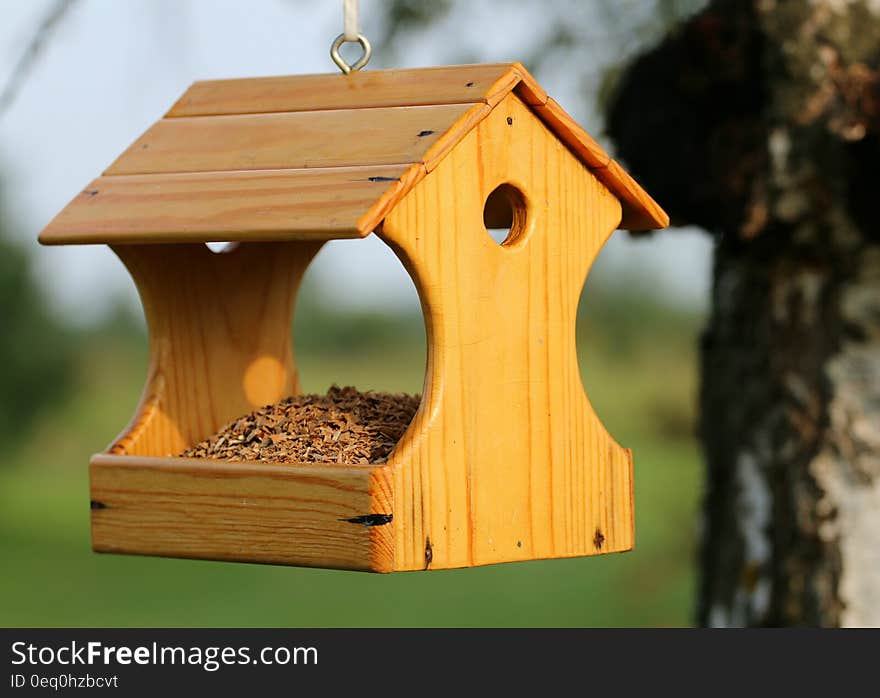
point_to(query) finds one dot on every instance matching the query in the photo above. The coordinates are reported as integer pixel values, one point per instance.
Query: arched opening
(637, 337)
(637, 342)
(360, 355)
(358, 320)
(359, 344)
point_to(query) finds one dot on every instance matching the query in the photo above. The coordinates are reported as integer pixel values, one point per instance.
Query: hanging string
(350, 34)
(350, 11)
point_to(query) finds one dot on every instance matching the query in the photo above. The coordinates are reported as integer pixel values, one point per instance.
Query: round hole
(221, 247)
(504, 214)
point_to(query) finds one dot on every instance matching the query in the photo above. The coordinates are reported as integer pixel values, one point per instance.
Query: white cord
(350, 10)
(351, 33)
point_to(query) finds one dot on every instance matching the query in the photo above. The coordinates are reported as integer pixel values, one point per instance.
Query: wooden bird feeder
(505, 459)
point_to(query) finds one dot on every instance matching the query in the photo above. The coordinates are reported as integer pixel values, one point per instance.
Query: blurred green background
(637, 362)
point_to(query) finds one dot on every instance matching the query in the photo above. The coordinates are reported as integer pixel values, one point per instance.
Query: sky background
(115, 66)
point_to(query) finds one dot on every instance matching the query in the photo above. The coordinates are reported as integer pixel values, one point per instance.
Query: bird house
(505, 458)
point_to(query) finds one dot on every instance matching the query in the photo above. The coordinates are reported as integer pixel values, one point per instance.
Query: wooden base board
(306, 515)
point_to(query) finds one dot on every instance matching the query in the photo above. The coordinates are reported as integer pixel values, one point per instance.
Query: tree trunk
(760, 121)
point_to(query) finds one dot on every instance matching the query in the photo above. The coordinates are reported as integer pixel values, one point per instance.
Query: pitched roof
(313, 156)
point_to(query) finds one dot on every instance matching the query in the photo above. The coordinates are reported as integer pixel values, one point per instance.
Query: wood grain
(505, 460)
(640, 211)
(291, 515)
(220, 337)
(365, 89)
(339, 138)
(450, 138)
(579, 141)
(261, 205)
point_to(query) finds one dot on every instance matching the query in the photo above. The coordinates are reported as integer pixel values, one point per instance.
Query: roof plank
(569, 131)
(364, 89)
(343, 202)
(339, 138)
(640, 211)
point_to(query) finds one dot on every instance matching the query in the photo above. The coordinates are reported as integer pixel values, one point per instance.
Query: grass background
(638, 365)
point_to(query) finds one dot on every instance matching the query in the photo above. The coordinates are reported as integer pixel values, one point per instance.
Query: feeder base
(305, 515)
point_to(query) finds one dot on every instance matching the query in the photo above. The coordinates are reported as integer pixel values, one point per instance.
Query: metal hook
(341, 62)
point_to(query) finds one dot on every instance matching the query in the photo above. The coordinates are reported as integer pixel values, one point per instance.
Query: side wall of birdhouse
(219, 337)
(506, 459)
(220, 346)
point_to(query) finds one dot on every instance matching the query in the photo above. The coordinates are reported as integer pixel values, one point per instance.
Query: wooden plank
(365, 89)
(374, 216)
(506, 459)
(259, 205)
(281, 514)
(582, 144)
(342, 138)
(640, 211)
